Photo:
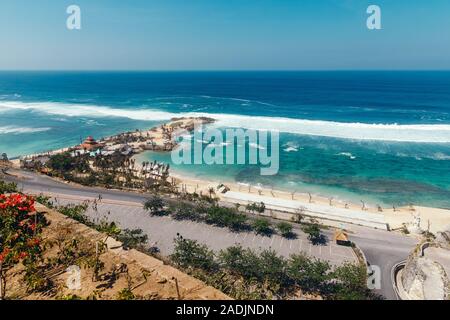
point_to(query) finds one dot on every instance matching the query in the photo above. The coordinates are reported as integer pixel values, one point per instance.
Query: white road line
(245, 237)
(310, 248)
(281, 242)
(290, 245)
(320, 250)
(235, 237)
(271, 242)
(300, 246)
(254, 237)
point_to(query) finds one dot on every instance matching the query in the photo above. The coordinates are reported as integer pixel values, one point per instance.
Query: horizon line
(224, 70)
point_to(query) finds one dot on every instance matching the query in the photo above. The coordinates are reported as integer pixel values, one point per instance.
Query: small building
(90, 144)
(341, 238)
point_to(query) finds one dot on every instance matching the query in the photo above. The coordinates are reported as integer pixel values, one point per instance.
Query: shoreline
(160, 139)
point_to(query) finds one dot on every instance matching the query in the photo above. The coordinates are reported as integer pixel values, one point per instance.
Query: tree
(190, 254)
(351, 282)
(310, 275)
(4, 157)
(243, 262)
(285, 229)
(262, 226)
(155, 204)
(314, 233)
(256, 207)
(184, 211)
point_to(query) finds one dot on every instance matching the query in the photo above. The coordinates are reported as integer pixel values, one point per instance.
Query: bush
(132, 238)
(262, 226)
(310, 275)
(61, 162)
(155, 204)
(285, 229)
(126, 294)
(351, 282)
(7, 187)
(243, 262)
(191, 254)
(226, 217)
(314, 233)
(184, 211)
(273, 269)
(75, 212)
(256, 207)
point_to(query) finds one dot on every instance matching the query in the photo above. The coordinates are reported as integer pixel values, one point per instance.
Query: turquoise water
(383, 137)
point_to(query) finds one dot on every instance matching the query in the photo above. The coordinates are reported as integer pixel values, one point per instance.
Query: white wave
(19, 130)
(290, 149)
(440, 156)
(256, 146)
(424, 133)
(347, 154)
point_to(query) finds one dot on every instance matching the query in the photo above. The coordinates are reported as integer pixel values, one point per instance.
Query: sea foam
(19, 130)
(423, 133)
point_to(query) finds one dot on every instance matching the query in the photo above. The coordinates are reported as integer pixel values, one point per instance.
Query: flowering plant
(20, 227)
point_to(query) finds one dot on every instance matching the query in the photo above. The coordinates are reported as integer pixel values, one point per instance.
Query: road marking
(320, 250)
(235, 237)
(310, 248)
(300, 246)
(290, 245)
(254, 238)
(281, 242)
(245, 237)
(271, 242)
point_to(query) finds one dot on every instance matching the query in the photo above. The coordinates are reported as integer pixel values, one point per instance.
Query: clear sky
(224, 35)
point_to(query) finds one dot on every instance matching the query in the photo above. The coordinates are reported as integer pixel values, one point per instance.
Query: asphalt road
(382, 248)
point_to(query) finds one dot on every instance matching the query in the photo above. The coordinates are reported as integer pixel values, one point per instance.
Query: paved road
(381, 248)
(163, 230)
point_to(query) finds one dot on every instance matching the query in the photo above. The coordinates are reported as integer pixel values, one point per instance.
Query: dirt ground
(146, 276)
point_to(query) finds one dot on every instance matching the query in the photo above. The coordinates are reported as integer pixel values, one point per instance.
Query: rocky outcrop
(424, 278)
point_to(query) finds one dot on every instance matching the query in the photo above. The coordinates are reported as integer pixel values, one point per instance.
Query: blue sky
(224, 35)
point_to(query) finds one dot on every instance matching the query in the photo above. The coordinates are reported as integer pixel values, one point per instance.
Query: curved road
(382, 248)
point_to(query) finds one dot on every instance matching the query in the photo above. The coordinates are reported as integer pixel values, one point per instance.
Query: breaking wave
(19, 130)
(423, 133)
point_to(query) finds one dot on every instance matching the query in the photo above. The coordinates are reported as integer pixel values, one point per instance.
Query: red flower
(23, 255)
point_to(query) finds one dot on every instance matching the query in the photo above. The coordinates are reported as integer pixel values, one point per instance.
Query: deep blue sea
(379, 136)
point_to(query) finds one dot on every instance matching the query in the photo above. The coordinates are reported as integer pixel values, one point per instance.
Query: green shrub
(6, 187)
(262, 226)
(76, 212)
(155, 204)
(132, 238)
(184, 211)
(285, 229)
(226, 217)
(311, 275)
(190, 254)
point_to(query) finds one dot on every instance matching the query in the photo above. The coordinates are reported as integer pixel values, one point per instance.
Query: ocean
(382, 137)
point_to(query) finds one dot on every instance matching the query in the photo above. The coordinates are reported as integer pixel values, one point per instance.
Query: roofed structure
(90, 144)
